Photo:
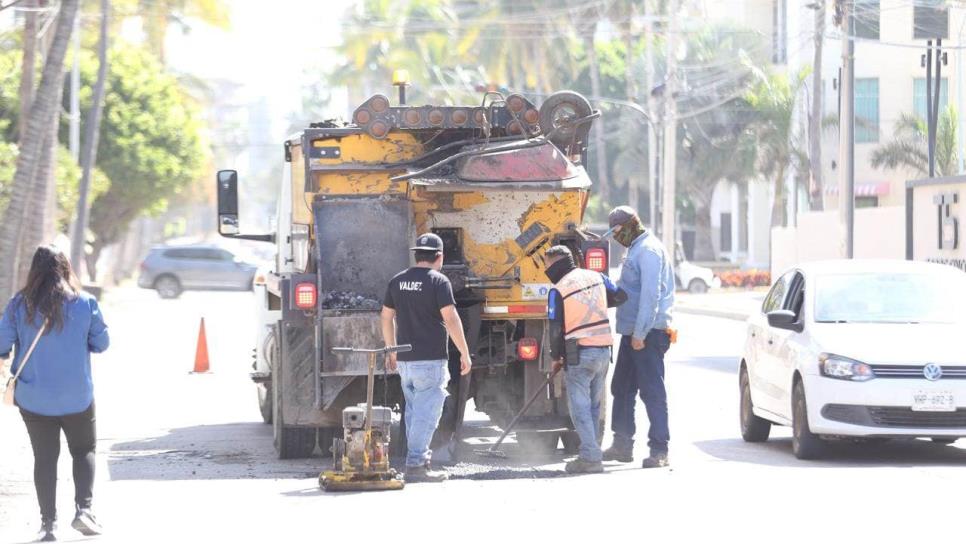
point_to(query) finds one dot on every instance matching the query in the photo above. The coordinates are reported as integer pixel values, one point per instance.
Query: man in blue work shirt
(577, 309)
(644, 325)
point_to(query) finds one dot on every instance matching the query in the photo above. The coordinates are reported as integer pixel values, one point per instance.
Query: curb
(711, 312)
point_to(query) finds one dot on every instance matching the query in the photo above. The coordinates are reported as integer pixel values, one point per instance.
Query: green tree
(150, 147)
(773, 100)
(27, 180)
(909, 147)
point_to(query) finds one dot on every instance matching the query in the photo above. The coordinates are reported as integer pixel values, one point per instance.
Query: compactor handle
(388, 349)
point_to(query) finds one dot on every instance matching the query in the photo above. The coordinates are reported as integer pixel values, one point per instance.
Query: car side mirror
(228, 202)
(784, 319)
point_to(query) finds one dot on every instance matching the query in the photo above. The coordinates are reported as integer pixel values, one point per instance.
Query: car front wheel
(805, 444)
(697, 286)
(168, 287)
(753, 428)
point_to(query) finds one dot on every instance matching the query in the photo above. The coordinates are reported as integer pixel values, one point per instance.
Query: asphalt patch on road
(473, 471)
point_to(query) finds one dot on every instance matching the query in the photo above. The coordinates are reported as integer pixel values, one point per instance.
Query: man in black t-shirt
(419, 309)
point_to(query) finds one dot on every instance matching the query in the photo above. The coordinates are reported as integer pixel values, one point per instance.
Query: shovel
(493, 451)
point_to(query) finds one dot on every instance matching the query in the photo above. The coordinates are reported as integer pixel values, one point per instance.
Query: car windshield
(890, 298)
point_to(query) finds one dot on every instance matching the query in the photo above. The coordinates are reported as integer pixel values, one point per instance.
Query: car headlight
(843, 368)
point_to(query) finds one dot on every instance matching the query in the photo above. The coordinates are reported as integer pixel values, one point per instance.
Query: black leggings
(44, 434)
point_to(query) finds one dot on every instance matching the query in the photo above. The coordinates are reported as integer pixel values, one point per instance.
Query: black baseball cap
(428, 242)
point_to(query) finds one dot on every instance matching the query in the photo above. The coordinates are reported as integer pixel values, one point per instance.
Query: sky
(267, 51)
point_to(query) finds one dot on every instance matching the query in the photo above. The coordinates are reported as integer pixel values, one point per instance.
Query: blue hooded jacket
(57, 379)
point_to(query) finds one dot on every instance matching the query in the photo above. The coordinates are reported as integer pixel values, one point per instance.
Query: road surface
(186, 458)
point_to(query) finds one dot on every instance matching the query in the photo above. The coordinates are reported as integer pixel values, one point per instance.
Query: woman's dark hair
(50, 283)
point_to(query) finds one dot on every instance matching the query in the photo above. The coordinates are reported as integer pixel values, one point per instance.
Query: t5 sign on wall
(948, 223)
(935, 213)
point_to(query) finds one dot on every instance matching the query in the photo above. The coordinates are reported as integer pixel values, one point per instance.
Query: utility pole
(847, 127)
(651, 127)
(932, 99)
(668, 207)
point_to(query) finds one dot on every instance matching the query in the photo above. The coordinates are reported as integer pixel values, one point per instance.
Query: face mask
(629, 232)
(559, 269)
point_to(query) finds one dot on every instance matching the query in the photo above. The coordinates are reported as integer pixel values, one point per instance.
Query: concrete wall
(879, 234)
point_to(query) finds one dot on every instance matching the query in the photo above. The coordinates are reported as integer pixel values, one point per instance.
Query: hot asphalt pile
(349, 300)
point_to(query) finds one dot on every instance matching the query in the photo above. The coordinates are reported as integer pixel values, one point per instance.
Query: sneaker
(46, 533)
(618, 453)
(583, 466)
(656, 460)
(424, 474)
(86, 523)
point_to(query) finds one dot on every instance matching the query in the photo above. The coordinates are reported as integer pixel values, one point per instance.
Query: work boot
(619, 452)
(86, 523)
(583, 466)
(424, 473)
(656, 460)
(46, 533)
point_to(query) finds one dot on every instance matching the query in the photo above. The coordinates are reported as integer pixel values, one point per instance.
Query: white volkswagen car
(871, 349)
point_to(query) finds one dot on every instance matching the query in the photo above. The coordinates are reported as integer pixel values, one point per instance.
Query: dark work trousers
(641, 372)
(81, 436)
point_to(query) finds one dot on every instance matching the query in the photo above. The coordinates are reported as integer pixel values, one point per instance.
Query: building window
(866, 110)
(866, 202)
(919, 97)
(866, 19)
(930, 20)
(779, 33)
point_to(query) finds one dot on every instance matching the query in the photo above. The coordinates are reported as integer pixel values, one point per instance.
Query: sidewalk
(724, 303)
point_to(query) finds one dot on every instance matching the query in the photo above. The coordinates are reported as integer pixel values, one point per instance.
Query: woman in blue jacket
(55, 392)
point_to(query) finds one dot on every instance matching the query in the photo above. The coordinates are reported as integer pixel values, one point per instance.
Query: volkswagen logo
(932, 372)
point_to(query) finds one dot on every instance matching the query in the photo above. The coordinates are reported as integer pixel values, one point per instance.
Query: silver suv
(172, 269)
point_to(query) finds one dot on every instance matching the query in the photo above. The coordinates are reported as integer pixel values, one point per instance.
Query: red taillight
(305, 296)
(596, 259)
(528, 349)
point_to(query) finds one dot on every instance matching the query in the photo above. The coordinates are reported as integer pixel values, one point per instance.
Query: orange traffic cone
(201, 353)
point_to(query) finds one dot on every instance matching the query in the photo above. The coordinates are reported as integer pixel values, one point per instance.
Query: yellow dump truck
(500, 182)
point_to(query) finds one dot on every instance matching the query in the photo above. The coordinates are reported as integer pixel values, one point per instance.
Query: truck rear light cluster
(528, 349)
(306, 296)
(596, 259)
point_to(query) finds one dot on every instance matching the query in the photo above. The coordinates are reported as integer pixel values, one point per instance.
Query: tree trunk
(816, 194)
(703, 246)
(88, 155)
(778, 204)
(28, 66)
(600, 149)
(42, 113)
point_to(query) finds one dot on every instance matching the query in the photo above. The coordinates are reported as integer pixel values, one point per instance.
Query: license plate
(933, 401)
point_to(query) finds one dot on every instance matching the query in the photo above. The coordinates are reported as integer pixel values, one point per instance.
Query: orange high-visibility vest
(585, 308)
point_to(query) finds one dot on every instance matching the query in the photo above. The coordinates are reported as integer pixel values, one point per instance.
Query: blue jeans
(424, 388)
(641, 372)
(585, 385)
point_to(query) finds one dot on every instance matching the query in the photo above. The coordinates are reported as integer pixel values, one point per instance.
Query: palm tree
(159, 14)
(909, 149)
(773, 100)
(43, 112)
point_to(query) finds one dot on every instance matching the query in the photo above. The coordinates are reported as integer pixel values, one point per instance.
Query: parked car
(692, 277)
(858, 349)
(172, 269)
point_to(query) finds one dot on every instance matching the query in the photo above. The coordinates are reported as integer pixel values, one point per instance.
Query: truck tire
(571, 442)
(265, 400)
(290, 442)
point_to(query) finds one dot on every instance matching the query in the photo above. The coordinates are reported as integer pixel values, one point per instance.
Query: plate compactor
(361, 456)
